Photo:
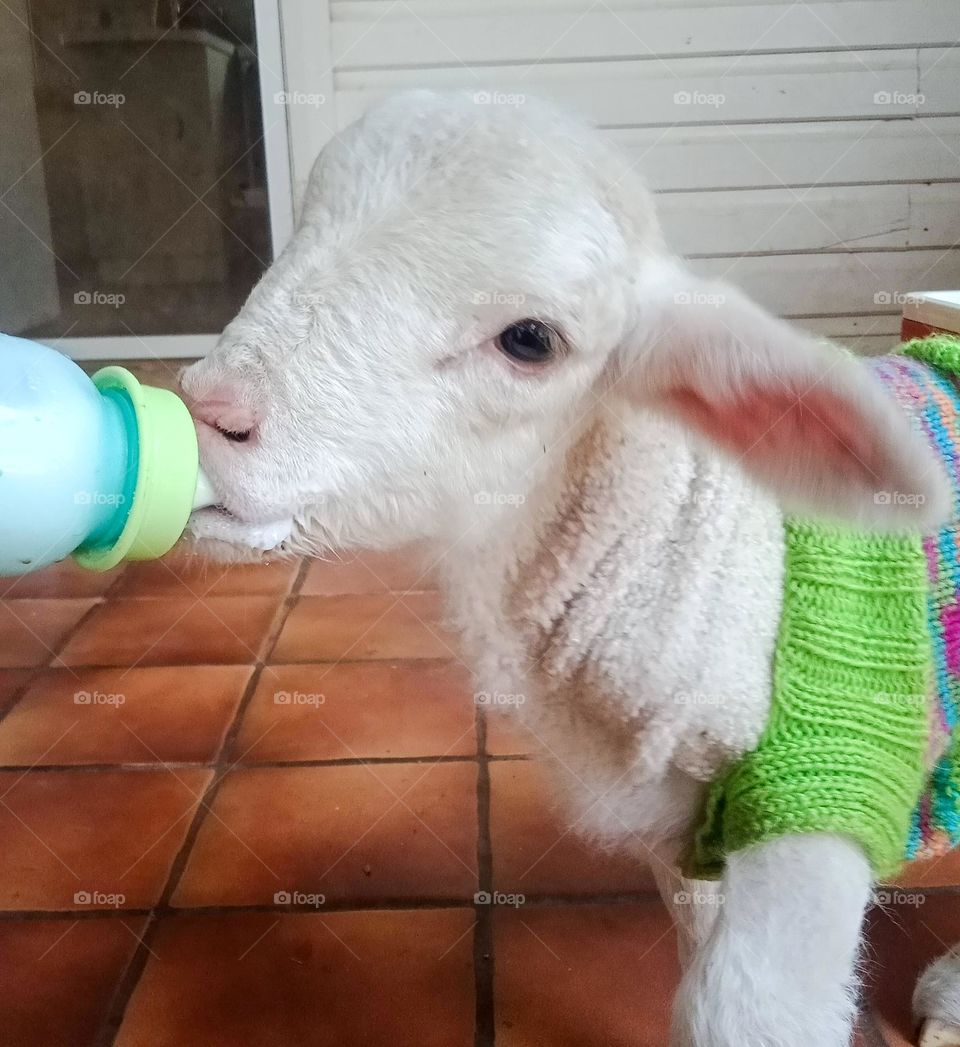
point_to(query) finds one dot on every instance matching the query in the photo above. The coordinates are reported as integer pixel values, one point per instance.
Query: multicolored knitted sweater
(866, 703)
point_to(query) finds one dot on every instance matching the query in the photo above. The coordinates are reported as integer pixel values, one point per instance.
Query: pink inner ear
(765, 423)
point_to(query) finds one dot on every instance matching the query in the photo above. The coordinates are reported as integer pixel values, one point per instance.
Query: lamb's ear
(805, 418)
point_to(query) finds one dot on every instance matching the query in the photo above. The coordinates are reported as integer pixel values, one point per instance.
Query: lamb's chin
(219, 535)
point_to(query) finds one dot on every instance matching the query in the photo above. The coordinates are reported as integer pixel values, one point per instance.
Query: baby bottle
(103, 469)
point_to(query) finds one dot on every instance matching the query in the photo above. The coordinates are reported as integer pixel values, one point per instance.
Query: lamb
(477, 337)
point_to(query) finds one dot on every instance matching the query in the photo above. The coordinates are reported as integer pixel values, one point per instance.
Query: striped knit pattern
(924, 381)
(867, 672)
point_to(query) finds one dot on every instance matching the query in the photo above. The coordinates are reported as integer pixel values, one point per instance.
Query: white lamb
(477, 337)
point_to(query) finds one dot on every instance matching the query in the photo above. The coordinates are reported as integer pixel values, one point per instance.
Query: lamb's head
(467, 282)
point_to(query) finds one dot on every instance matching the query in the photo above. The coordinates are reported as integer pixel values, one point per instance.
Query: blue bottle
(103, 469)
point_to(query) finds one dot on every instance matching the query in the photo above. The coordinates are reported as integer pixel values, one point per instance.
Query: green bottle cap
(167, 465)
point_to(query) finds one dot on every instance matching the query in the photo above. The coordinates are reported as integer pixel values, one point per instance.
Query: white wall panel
(809, 152)
(421, 34)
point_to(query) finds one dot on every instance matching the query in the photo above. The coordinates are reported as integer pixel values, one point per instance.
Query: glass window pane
(132, 176)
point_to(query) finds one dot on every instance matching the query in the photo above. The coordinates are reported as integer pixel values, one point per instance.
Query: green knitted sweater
(844, 747)
(866, 662)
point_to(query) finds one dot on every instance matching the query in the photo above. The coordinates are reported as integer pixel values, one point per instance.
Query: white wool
(634, 606)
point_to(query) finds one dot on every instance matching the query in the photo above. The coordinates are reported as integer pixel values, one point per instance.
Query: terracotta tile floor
(260, 806)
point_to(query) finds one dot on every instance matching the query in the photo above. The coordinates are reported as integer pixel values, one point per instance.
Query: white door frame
(277, 126)
(308, 64)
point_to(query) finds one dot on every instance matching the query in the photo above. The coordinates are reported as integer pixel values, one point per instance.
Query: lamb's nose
(230, 419)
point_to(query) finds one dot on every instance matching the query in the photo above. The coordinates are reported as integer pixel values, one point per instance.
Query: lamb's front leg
(779, 966)
(692, 905)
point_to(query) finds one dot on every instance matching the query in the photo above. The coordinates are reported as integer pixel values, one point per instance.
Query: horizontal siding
(818, 219)
(870, 345)
(852, 152)
(881, 325)
(828, 285)
(757, 88)
(507, 8)
(939, 81)
(825, 181)
(866, 335)
(387, 34)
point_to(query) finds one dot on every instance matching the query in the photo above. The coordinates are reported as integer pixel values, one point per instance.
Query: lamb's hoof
(936, 1033)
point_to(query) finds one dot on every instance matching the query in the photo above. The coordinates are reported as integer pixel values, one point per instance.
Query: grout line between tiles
(98, 602)
(113, 589)
(54, 655)
(644, 896)
(90, 667)
(344, 761)
(483, 959)
(555, 901)
(19, 692)
(127, 984)
(60, 648)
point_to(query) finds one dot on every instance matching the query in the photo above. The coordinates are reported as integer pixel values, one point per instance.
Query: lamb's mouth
(217, 525)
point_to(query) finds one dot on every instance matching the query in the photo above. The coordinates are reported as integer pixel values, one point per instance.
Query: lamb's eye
(529, 342)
